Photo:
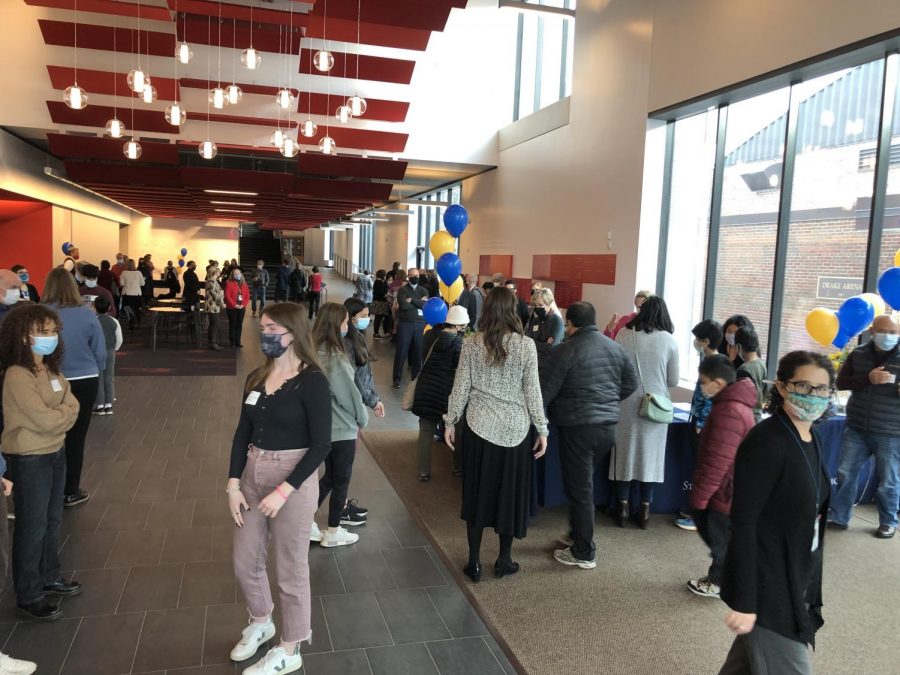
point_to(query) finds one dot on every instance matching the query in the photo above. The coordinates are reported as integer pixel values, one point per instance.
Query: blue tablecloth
(671, 496)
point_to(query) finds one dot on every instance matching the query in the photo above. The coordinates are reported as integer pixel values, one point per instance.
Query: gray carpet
(633, 613)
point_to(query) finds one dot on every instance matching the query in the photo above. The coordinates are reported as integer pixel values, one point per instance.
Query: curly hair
(15, 342)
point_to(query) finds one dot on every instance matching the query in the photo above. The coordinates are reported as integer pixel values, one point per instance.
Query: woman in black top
(283, 435)
(381, 308)
(772, 579)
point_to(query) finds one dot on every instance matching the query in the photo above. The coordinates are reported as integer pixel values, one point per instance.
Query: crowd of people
(489, 381)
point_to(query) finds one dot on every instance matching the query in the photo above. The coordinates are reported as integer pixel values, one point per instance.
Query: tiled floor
(153, 551)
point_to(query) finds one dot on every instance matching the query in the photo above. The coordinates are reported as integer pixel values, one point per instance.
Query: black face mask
(540, 312)
(413, 281)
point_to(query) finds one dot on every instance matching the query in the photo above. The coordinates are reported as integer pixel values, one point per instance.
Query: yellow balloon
(897, 258)
(877, 302)
(451, 293)
(822, 325)
(427, 328)
(442, 242)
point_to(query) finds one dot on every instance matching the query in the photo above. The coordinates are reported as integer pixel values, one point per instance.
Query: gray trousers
(763, 652)
(106, 389)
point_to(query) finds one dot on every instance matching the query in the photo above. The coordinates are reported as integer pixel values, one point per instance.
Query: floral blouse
(503, 400)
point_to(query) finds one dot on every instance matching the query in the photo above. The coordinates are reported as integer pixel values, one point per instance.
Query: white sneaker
(565, 557)
(340, 537)
(276, 662)
(316, 533)
(11, 666)
(251, 638)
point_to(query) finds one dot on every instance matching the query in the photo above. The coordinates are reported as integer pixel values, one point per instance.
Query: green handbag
(654, 407)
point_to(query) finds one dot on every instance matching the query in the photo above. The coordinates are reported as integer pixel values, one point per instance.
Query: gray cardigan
(348, 414)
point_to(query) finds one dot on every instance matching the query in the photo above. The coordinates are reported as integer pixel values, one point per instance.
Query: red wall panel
(567, 293)
(591, 269)
(28, 240)
(523, 288)
(491, 264)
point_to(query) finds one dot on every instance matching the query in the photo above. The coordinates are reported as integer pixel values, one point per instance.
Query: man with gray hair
(873, 427)
(472, 299)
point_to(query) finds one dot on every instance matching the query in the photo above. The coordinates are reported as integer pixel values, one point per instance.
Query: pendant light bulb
(208, 150)
(132, 149)
(176, 115)
(115, 128)
(343, 114)
(290, 147)
(357, 105)
(308, 128)
(323, 60)
(75, 97)
(217, 98)
(285, 99)
(136, 80)
(184, 53)
(233, 94)
(327, 146)
(251, 58)
(149, 95)
(277, 138)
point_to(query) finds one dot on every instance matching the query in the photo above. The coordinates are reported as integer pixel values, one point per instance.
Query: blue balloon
(65, 247)
(889, 287)
(184, 251)
(841, 340)
(455, 219)
(181, 263)
(449, 267)
(855, 315)
(435, 311)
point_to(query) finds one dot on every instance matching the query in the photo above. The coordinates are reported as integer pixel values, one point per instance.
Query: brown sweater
(35, 417)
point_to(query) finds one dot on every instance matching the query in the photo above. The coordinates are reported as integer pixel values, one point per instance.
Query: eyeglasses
(805, 388)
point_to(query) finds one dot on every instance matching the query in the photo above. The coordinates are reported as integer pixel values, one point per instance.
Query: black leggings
(85, 392)
(474, 536)
(336, 480)
(313, 297)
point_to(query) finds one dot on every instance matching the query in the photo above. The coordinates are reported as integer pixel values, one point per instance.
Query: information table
(672, 495)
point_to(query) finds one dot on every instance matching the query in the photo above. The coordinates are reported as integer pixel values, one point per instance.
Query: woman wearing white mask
(728, 347)
(772, 579)
(10, 293)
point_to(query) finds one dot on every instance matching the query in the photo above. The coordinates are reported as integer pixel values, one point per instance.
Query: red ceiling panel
(234, 179)
(85, 147)
(376, 109)
(138, 175)
(62, 34)
(365, 139)
(376, 68)
(97, 115)
(331, 165)
(431, 15)
(263, 89)
(340, 189)
(113, 7)
(104, 82)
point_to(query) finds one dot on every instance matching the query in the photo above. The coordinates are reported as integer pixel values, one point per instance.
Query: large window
(783, 185)
(430, 219)
(544, 52)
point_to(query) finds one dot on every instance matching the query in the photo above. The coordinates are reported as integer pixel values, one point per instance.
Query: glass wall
(430, 219)
(544, 54)
(812, 234)
(694, 154)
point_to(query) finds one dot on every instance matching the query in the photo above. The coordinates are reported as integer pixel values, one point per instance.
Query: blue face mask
(362, 324)
(44, 345)
(886, 341)
(343, 333)
(24, 277)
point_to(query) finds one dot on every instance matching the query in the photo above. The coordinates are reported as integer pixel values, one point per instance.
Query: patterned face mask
(806, 407)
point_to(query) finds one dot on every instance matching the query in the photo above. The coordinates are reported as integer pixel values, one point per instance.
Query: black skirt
(496, 484)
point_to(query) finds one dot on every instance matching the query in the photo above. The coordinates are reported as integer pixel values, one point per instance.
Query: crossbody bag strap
(428, 355)
(637, 360)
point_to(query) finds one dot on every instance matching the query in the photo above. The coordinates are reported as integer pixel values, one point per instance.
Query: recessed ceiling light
(232, 192)
(233, 203)
(231, 211)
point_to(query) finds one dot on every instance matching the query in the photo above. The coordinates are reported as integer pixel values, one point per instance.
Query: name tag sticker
(534, 329)
(56, 385)
(420, 312)
(252, 398)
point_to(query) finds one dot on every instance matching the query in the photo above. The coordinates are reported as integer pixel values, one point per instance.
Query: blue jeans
(856, 449)
(409, 346)
(260, 294)
(38, 500)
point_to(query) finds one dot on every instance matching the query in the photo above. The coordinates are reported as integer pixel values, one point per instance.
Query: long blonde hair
(60, 289)
(546, 295)
(292, 317)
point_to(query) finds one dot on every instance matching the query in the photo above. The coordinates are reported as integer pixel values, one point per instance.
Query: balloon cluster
(181, 257)
(448, 266)
(856, 314)
(66, 246)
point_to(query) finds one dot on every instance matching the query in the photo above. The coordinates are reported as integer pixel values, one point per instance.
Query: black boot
(622, 513)
(643, 516)
(503, 567)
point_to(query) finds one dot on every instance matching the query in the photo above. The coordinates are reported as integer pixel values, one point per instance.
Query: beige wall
(164, 238)
(96, 238)
(703, 45)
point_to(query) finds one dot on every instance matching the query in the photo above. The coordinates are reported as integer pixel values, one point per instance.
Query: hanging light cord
(219, 55)
(208, 68)
(234, 47)
(290, 80)
(115, 71)
(358, 40)
(253, 2)
(76, 43)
